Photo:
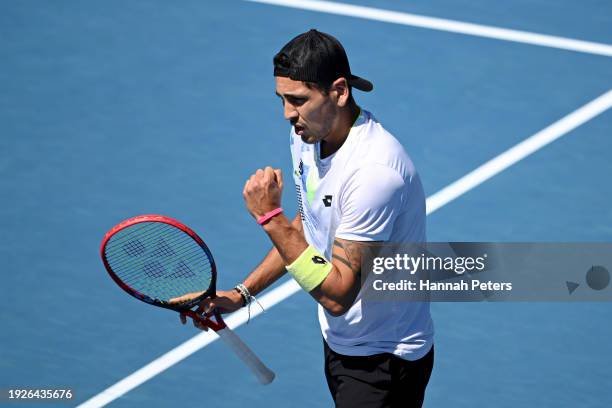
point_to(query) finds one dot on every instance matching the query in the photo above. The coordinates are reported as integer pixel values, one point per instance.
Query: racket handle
(263, 373)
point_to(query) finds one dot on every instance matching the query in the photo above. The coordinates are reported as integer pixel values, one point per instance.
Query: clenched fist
(262, 191)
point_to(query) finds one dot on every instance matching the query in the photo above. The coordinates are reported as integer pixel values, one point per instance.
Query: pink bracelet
(269, 215)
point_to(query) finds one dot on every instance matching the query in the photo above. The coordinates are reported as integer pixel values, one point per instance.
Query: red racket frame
(184, 308)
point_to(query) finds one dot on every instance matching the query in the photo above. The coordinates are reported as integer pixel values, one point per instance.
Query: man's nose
(290, 112)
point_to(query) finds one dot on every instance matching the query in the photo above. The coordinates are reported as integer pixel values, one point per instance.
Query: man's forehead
(287, 86)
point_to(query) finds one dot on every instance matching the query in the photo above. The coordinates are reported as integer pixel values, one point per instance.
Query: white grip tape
(263, 373)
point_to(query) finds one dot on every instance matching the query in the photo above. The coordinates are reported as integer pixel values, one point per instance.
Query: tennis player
(355, 185)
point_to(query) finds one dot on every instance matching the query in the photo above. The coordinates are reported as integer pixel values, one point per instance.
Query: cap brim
(360, 83)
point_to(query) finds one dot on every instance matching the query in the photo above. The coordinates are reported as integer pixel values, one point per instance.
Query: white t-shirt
(368, 190)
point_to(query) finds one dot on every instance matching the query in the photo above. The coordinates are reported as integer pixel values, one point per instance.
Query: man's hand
(184, 298)
(262, 191)
(225, 302)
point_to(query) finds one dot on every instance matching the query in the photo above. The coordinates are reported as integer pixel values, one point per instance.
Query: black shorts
(381, 380)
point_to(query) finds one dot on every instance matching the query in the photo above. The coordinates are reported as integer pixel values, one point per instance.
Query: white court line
(519, 152)
(442, 24)
(434, 202)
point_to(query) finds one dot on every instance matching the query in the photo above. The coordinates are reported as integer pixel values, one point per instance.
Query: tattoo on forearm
(344, 261)
(353, 258)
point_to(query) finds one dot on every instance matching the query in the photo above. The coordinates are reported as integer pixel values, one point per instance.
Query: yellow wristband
(310, 268)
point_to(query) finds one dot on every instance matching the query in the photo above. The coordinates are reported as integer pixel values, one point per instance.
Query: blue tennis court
(114, 109)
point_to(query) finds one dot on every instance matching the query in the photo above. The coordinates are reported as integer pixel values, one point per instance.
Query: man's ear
(341, 90)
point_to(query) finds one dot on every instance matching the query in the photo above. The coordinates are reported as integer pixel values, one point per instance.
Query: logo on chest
(327, 200)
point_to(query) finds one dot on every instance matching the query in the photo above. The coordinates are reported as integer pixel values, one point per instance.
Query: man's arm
(367, 214)
(264, 275)
(338, 290)
(272, 267)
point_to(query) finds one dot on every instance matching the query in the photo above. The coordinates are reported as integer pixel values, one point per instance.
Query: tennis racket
(157, 259)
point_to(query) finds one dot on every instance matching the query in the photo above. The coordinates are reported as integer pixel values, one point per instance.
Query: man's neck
(335, 141)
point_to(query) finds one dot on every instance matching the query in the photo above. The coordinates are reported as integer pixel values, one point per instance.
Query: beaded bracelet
(247, 299)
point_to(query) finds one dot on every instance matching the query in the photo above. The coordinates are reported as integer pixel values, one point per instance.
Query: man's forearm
(288, 241)
(339, 288)
(272, 267)
(266, 273)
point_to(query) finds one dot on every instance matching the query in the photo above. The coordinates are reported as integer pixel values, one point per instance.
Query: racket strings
(184, 254)
(165, 246)
(134, 248)
(155, 269)
(174, 279)
(159, 260)
(178, 283)
(133, 240)
(163, 249)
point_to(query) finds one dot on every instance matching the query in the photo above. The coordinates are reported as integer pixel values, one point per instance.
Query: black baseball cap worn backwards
(316, 57)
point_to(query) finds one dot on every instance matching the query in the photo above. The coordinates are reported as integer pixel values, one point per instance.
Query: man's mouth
(299, 130)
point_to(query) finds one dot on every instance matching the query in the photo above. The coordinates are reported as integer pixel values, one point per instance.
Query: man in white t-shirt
(355, 185)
